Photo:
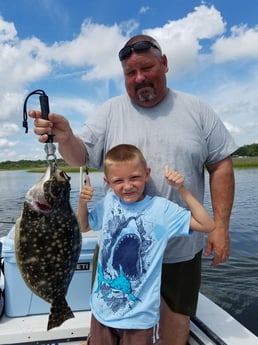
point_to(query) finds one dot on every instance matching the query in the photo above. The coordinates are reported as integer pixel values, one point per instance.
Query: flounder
(48, 242)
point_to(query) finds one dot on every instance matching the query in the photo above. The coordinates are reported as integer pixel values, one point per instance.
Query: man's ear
(147, 173)
(165, 63)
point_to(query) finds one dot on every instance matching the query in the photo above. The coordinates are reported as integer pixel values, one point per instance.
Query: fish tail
(59, 313)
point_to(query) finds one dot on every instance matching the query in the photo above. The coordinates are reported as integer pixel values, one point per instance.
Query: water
(232, 285)
(15, 184)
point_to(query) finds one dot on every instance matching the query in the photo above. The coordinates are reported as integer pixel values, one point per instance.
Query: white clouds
(7, 31)
(243, 43)
(17, 70)
(195, 43)
(144, 9)
(7, 129)
(231, 128)
(20, 60)
(5, 143)
(180, 39)
(237, 104)
(8, 103)
(95, 48)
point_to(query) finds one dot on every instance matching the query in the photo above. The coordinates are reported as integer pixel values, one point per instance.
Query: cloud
(76, 109)
(7, 31)
(144, 9)
(236, 102)
(231, 128)
(7, 129)
(91, 49)
(239, 45)
(181, 39)
(84, 71)
(4, 143)
(21, 61)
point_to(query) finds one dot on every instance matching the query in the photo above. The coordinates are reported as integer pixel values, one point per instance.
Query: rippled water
(233, 285)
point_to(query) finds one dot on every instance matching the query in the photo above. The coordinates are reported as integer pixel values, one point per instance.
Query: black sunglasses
(138, 47)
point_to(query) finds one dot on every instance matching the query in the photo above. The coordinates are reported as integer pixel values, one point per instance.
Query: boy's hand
(174, 178)
(87, 191)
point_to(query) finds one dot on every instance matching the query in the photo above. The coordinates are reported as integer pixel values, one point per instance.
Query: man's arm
(73, 151)
(222, 187)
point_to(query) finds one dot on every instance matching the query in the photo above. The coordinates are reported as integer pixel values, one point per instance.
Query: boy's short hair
(123, 153)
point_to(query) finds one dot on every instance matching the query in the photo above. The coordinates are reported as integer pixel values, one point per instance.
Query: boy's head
(123, 153)
(126, 172)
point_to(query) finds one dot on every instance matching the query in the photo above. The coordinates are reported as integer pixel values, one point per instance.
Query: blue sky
(69, 48)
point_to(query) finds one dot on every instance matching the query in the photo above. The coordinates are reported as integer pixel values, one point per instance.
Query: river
(232, 285)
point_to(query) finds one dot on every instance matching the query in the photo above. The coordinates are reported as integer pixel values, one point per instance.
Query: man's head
(145, 69)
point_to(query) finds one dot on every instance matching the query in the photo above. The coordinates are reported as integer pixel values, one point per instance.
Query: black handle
(44, 105)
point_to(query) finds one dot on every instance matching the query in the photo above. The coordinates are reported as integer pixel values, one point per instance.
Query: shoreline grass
(238, 162)
(245, 162)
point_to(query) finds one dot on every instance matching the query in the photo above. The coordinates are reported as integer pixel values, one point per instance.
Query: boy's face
(127, 180)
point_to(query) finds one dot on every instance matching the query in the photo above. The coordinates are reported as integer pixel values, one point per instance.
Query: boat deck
(212, 326)
(33, 330)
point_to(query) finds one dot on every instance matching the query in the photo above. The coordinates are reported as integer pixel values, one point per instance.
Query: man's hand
(57, 125)
(218, 243)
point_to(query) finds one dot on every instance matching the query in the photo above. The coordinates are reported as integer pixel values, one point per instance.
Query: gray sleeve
(94, 134)
(220, 143)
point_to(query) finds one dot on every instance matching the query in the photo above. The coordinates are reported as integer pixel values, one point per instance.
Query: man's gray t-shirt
(181, 131)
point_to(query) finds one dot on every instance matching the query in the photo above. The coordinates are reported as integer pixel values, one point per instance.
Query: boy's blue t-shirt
(126, 291)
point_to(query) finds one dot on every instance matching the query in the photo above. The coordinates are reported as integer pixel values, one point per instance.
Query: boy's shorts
(103, 335)
(180, 284)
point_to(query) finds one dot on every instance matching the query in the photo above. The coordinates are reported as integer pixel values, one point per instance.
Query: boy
(125, 299)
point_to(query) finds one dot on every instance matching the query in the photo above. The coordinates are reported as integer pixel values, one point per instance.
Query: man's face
(145, 77)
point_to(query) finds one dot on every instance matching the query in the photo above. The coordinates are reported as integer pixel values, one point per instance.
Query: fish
(48, 241)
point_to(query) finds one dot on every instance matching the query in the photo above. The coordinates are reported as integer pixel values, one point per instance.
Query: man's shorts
(180, 284)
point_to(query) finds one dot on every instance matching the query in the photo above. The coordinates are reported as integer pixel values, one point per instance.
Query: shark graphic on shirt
(120, 283)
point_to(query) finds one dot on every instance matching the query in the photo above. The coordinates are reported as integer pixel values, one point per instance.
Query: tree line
(28, 164)
(247, 150)
(243, 151)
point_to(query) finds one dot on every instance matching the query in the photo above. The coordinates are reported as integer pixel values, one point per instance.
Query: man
(169, 127)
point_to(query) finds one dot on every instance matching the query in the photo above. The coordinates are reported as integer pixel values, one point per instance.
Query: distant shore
(238, 162)
(245, 162)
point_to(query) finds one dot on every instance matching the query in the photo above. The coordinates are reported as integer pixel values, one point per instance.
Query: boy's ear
(106, 180)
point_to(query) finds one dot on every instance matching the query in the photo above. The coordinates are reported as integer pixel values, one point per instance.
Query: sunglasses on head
(138, 47)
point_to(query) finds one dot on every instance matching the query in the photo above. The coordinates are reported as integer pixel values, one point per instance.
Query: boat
(211, 326)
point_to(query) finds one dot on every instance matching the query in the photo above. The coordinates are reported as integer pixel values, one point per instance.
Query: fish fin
(59, 313)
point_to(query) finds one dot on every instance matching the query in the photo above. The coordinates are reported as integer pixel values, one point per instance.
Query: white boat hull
(213, 326)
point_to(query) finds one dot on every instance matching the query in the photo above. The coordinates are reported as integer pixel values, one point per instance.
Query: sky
(69, 48)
